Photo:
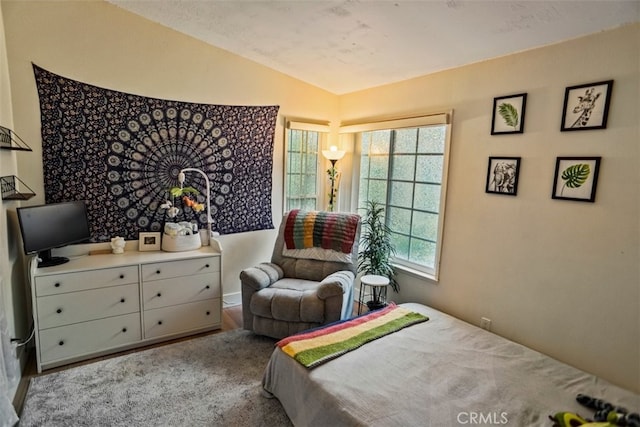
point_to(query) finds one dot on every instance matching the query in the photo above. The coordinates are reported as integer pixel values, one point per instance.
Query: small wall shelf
(9, 140)
(14, 189)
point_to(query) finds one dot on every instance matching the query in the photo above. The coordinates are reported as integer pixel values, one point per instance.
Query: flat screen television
(53, 225)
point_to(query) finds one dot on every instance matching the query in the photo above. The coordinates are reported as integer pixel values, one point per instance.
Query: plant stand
(378, 291)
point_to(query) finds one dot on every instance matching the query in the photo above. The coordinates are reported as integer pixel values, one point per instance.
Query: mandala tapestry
(121, 153)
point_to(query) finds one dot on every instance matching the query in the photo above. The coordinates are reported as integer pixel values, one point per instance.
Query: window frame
(426, 120)
(322, 129)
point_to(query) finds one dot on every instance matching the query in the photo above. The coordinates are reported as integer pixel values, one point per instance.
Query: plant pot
(376, 305)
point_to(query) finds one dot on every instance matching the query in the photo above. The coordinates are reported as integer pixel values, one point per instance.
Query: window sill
(416, 273)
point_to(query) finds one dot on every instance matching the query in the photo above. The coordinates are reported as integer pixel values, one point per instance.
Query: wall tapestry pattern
(121, 153)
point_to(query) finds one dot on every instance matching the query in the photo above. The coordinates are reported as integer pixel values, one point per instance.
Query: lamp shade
(333, 153)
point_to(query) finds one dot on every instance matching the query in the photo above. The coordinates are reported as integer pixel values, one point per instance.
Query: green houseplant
(376, 248)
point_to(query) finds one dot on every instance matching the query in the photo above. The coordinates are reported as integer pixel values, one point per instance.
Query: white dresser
(100, 304)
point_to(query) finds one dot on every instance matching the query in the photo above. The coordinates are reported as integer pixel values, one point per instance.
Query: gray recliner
(291, 294)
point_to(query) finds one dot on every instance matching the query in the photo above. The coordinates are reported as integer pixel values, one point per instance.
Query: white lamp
(181, 178)
(333, 155)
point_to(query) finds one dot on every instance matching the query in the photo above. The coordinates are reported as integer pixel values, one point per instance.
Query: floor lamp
(181, 179)
(333, 155)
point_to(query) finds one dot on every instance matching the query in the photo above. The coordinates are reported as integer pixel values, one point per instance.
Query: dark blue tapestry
(121, 153)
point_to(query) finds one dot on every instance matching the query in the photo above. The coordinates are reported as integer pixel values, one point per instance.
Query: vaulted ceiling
(348, 45)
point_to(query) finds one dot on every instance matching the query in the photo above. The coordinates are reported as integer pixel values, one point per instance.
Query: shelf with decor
(9, 140)
(14, 189)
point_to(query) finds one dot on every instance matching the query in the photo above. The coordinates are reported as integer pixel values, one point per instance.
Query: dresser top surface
(91, 262)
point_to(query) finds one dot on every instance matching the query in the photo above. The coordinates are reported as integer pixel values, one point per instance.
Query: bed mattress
(442, 372)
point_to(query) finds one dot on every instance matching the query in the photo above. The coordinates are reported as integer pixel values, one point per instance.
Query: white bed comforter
(443, 372)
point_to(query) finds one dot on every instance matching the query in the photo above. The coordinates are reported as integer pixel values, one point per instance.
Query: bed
(440, 372)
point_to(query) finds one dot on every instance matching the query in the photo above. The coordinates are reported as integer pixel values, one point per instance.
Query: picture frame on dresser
(149, 241)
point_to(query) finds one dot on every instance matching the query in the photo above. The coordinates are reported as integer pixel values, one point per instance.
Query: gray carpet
(208, 381)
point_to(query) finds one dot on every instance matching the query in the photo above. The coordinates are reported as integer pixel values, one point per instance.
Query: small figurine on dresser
(117, 245)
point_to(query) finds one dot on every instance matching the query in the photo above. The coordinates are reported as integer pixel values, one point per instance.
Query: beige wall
(559, 276)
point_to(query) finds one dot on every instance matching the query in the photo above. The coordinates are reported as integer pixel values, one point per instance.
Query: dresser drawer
(90, 337)
(82, 280)
(64, 309)
(181, 318)
(180, 290)
(186, 267)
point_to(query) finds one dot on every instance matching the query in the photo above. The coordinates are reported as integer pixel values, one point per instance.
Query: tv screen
(53, 225)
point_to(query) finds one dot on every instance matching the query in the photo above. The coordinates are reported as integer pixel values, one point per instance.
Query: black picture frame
(502, 175)
(586, 106)
(573, 181)
(508, 114)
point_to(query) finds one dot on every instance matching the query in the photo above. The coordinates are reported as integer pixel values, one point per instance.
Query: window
(303, 142)
(404, 168)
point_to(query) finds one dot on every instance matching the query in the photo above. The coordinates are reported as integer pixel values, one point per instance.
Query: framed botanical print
(576, 178)
(508, 114)
(502, 175)
(586, 106)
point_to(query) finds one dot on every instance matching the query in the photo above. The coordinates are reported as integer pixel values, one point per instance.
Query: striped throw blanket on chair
(326, 230)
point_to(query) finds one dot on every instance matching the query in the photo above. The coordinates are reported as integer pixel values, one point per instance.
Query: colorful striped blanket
(327, 230)
(323, 344)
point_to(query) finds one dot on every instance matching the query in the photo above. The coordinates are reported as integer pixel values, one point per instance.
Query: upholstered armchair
(309, 281)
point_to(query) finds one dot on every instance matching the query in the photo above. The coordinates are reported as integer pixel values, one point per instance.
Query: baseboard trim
(27, 372)
(232, 299)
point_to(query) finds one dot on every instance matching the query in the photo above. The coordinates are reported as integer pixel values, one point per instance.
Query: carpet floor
(208, 381)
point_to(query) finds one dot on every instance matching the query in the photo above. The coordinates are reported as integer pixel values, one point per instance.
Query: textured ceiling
(349, 45)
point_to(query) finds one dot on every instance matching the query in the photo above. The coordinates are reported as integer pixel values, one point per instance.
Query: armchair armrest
(261, 276)
(336, 284)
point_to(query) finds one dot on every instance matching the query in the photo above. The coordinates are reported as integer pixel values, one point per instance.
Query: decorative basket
(180, 243)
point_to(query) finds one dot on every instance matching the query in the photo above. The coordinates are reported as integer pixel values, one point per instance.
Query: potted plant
(376, 248)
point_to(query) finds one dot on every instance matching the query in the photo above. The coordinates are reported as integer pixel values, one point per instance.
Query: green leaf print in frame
(576, 178)
(508, 114)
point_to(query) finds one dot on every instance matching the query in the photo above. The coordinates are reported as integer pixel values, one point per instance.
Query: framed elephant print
(586, 106)
(502, 175)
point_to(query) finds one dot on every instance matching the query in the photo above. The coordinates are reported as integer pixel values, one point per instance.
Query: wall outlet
(485, 323)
